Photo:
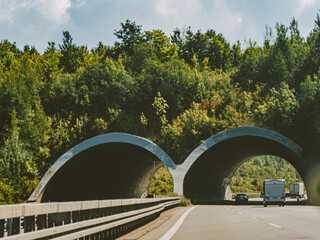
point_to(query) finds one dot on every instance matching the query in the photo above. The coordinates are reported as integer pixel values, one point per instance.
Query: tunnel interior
(209, 176)
(105, 171)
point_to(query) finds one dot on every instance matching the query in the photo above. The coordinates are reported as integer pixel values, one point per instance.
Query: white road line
(176, 226)
(275, 225)
(239, 212)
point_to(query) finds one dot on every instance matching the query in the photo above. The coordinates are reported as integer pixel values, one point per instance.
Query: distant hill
(248, 178)
(250, 175)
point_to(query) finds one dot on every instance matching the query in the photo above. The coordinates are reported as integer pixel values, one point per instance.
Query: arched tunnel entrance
(119, 165)
(210, 167)
(110, 166)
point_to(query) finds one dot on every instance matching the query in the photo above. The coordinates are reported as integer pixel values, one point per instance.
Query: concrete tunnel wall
(206, 173)
(109, 166)
(118, 165)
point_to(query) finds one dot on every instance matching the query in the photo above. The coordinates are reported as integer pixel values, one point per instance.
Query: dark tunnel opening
(209, 177)
(106, 171)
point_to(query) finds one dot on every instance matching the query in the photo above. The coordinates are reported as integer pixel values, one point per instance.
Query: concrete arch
(205, 174)
(122, 162)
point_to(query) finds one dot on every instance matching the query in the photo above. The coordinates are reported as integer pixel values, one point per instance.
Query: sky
(37, 22)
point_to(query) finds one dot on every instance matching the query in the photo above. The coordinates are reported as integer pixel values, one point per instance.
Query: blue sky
(36, 22)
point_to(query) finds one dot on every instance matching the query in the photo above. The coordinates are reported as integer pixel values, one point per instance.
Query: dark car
(241, 198)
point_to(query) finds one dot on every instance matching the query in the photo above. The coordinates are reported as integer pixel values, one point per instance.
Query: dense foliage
(161, 183)
(175, 90)
(250, 175)
(248, 178)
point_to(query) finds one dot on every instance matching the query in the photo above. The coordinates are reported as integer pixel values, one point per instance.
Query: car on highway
(241, 198)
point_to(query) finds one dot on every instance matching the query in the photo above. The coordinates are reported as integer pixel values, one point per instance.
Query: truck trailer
(274, 192)
(297, 190)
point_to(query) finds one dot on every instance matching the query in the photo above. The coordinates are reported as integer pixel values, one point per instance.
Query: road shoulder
(158, 227)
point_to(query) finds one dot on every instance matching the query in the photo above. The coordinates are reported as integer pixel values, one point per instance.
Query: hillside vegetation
(248, 178)
(175, 90)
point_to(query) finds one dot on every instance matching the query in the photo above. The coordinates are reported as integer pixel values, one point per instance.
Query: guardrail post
(13, 226)
(92, 214)
(29, 224)
(42, 222)
(107, 235)
(1, 227)
(52, 220)
(82, 215)
(9, 226)
(59, 219)
(65, 218)
(75, 216)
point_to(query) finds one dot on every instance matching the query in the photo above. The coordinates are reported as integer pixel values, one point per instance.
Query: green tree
(160, 104)
(278, 109)
(165, 50)
(236, 54)
(17, 170)
(188, 131)
(129, 35)
(72, 55)
(208, 45)
(248, 74)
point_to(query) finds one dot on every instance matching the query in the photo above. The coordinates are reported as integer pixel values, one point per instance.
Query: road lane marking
(176, 226)
(275, 225)
(239, 212)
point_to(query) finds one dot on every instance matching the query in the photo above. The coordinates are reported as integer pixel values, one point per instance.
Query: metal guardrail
(101, 219)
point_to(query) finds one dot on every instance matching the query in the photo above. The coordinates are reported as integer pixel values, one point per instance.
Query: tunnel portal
(110, 166)
(119, 165)
(209, 168)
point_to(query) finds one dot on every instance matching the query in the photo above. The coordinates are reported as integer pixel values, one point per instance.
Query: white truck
(297, 190)
(274, 192)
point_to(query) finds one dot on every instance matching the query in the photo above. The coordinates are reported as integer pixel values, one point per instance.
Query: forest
(176, 90)
(248, 178)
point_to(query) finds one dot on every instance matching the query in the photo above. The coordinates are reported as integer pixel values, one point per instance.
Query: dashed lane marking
(275, 225)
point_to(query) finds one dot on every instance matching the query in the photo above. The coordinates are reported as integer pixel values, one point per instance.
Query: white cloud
(177, 9)
(304, 4)
(52, 10)
(163, 7)
(200, 15)
(80, 3)
(224, 19)
(307, 3)
(8, 8)
(224, 16)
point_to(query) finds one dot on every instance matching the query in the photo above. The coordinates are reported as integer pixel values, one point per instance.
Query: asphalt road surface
(235, 222)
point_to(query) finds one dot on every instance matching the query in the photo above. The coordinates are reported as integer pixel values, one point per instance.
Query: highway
(235, 222)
